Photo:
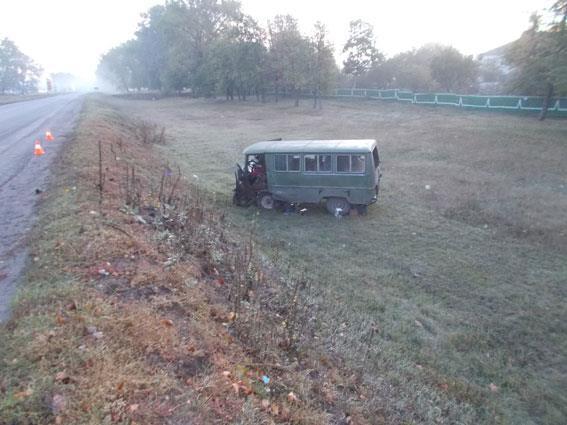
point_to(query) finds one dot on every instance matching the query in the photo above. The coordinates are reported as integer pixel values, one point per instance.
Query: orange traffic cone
(49, 137)
(37, 149)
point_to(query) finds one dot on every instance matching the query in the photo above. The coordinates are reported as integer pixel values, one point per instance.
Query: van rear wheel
(338, 206)
(266, 201)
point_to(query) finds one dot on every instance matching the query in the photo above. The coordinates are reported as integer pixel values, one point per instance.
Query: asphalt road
(21, 173)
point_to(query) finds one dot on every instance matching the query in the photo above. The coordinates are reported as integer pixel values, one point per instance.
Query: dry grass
(137, 308)
(464, 283)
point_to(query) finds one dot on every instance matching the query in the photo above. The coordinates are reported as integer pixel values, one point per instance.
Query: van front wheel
(338, 206)
(265, 200)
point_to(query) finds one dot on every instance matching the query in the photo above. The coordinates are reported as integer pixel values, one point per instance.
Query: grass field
(453, 298)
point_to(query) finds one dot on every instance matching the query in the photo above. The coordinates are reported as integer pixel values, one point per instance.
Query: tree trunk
(296, 97)
(546, 101)
(317, 98)
(276, 93)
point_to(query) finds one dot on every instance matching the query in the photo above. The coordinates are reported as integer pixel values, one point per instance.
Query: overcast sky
(71, 35)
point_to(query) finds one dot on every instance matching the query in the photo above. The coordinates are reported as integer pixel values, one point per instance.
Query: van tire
(334, 204)
(266, 201)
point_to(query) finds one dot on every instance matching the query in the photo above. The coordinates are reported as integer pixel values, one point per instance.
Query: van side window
(310, 163)
(358, 163)
(325, 163)
(293, 162)
(343, 163)
(280, 162)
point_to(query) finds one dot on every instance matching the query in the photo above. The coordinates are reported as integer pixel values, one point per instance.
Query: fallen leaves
(292, 398)
(62, 377)
(275, 409)
(23, 394)
(240, 387)
(60, 319)
(167, 322)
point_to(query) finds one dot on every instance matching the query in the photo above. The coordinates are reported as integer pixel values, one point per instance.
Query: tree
(121, 67)
(18, 73)
(454, 71)
(238, 60)
(170, 47)
(290, 55)
(539, 58)
(361, 51)
(324, 68)
(409, 70)
(151, 45)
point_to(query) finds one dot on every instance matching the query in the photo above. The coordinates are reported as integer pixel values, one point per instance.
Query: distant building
(494, 70)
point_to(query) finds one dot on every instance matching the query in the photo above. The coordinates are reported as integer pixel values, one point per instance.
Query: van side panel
(306, 187)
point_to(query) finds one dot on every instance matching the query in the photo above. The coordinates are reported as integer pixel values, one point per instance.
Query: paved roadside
(22, 174)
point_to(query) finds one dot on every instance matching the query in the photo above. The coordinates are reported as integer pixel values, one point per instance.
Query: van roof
(312, 146)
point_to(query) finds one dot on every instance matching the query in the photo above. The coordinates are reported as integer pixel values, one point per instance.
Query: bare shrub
(149, 133)
(269, 311)
(131, 187)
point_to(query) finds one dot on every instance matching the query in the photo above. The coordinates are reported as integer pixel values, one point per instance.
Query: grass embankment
(449, 300)
(141, 306)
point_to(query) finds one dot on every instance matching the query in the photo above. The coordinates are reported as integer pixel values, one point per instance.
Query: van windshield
(375, 157)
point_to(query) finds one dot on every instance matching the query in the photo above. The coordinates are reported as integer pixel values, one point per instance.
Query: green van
(342, 173)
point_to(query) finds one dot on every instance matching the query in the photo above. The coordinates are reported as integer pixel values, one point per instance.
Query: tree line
(211, 47)
(18, 73)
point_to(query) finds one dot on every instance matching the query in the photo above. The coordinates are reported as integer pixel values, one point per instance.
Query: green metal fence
(557, 107)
